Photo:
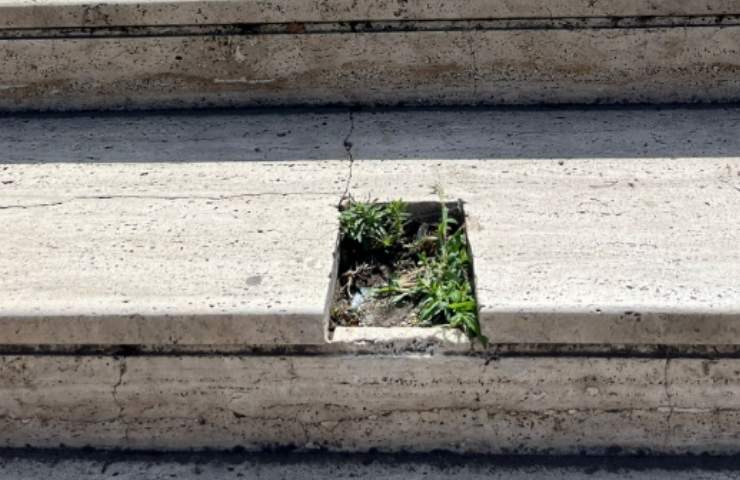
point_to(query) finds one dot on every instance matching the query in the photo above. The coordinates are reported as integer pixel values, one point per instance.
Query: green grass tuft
(375, 226)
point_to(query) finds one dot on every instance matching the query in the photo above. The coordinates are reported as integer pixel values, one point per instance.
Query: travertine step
(401, 402)
(74, 55)
(169, 230)
(611, 226)
(78, 13)
(165, 278)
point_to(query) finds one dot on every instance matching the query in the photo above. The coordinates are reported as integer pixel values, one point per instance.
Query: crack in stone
(32, 205)
(474, 64)
(347, 143)
(164, 197)
(200, 197)
(669, 400)
(114, 393)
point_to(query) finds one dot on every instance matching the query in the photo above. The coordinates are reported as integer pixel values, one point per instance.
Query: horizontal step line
(575, 23)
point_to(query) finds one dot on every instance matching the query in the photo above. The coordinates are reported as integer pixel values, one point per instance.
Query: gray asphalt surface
(77, 465)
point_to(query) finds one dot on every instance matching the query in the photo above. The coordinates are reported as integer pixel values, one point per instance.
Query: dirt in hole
(378, 280)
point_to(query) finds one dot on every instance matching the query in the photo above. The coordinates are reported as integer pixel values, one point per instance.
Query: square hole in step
(404, 265)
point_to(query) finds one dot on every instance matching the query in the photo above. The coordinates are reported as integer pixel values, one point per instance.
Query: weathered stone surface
(526, 66)
(707, 134)
(203, 136)
(561, 226)
(75, 13)
(607, 66)
(706, 384)
(343, 402)
(565, 208)
(348, 402)
(146, 229)
(167, 253)
(401, 340)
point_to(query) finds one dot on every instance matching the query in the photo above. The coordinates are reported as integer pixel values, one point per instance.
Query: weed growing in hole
(439, 283)
(375, 226)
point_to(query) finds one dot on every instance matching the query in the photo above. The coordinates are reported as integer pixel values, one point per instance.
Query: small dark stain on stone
(254, 280)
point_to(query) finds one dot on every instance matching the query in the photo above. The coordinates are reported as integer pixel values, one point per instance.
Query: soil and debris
(358, 305)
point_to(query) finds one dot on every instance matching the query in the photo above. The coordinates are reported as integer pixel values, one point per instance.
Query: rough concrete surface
(77, 13)
(509, 66)
(69, 465)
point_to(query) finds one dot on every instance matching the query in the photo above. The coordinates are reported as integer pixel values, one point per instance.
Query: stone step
(219, 230)
(25, 14)
(178, 235)
(401, 402)
(165, 280)
(69, 55)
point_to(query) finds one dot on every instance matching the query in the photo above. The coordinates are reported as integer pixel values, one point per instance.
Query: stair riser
(356, 403)
(520, 66)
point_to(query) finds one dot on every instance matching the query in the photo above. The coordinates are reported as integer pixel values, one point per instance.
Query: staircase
(166, 275)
